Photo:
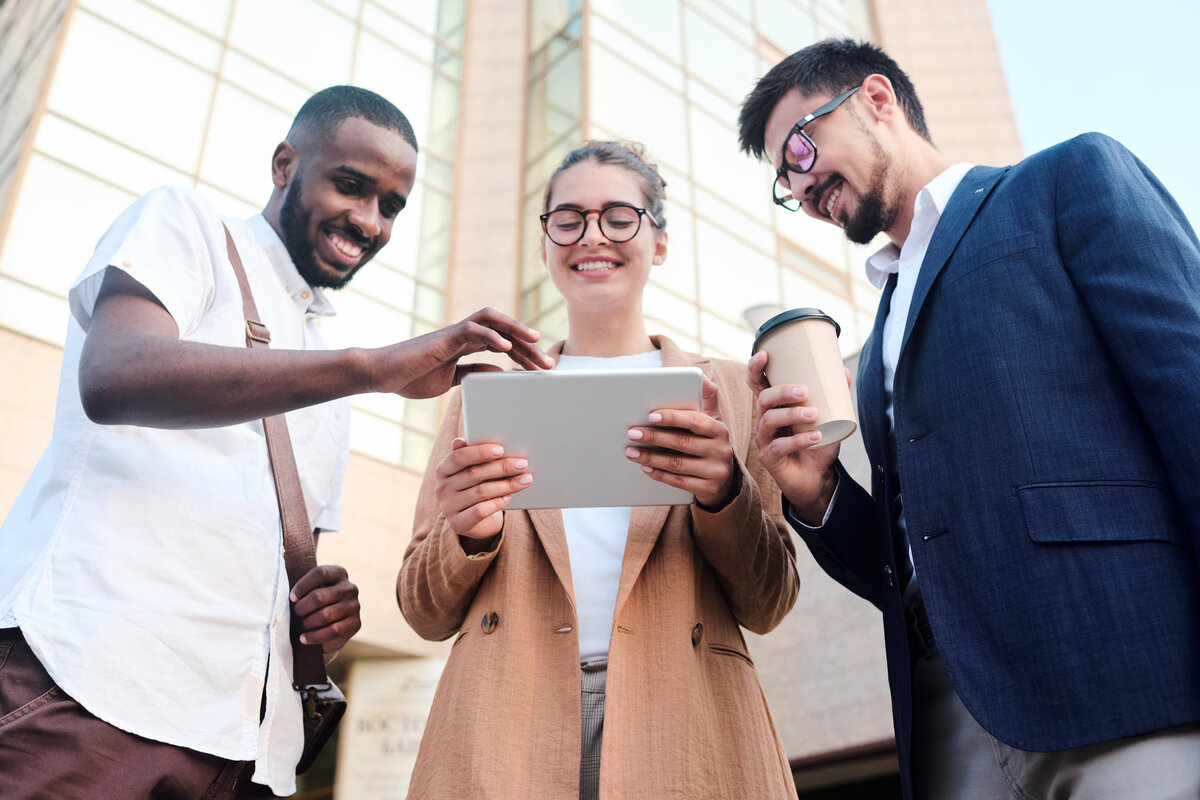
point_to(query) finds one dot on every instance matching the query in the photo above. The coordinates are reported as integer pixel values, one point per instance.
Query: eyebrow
(369, 179)
(605, 207)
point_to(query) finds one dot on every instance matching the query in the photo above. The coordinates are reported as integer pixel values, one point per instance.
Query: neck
(270, 212)
(924, 164)
(606, 335)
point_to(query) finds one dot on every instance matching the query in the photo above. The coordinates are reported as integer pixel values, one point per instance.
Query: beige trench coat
(685, 714)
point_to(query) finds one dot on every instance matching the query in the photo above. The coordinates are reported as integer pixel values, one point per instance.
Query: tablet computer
(573, 427)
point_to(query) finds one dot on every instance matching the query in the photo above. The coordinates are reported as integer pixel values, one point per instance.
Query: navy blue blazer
(1047, 421)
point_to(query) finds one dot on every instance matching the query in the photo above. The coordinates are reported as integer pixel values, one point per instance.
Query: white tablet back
(572, 426)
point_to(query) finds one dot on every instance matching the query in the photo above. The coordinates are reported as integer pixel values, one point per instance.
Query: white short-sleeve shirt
(144, 566)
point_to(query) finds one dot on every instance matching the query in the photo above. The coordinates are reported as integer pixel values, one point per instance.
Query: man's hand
(135, 370)
(327, 604)
(428, 366)
(806, 476)
(692, 450)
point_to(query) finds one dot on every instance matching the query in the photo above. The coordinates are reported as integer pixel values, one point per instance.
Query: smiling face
(596, 272)
(337, 197)
(852, 183)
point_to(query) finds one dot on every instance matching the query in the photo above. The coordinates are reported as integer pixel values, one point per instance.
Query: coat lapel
(964, 204)
(646, 522)
(872, 401)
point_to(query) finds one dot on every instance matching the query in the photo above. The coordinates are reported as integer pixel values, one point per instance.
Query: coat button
(697, 632)
(490, 621)
(891, 575)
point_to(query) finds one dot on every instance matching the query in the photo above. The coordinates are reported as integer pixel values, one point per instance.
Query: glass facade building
(102, 100)
(671, 75)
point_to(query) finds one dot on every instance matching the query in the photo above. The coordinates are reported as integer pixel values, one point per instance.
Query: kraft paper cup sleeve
(802, 348)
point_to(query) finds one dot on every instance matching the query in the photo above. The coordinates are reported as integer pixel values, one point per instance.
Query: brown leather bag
(322, 701)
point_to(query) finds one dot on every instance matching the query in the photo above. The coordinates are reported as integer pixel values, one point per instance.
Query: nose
(802, 184)
(592, 235)
(366, 217)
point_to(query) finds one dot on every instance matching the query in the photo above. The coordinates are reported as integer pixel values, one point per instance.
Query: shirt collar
(927, 210)
(311, 299)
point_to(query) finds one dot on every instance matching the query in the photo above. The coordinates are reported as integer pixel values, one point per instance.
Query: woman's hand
(473, 485)
(691, 450)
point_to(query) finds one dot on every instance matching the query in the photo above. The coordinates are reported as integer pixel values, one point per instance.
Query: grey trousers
(591, 700)
(954, 758)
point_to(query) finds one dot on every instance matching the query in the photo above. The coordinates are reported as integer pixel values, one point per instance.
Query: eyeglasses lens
(800, 152)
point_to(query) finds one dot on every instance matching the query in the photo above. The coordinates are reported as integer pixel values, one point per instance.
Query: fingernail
(303, 639)
(809, 413)
(525, 479)
(798, 393)
(497, 450)
(646, 469)
(293, 597)
(520, 463)
(655, 416)
(632, 452)
(814, 437)
(634, 433)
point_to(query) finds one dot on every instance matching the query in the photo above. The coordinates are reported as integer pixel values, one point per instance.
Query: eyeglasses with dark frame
(800, 154)
(618, 223)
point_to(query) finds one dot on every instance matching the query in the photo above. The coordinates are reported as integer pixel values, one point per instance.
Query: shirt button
(490, 621)
(305, 295)
(697, 634)
(891, 575)
(127, 263)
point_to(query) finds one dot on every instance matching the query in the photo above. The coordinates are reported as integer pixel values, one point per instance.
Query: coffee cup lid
(792, 315)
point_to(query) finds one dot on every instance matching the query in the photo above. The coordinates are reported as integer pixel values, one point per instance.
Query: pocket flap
(1101, 511)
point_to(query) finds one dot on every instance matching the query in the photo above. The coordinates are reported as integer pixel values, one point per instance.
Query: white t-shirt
(596, 536)
(144, 566)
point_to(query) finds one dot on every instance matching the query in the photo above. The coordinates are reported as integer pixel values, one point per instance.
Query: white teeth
(831, 200)
(344, 247)
(590, 266)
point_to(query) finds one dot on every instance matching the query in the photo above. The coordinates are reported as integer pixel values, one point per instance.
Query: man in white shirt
(1028, 399)
(144, 602)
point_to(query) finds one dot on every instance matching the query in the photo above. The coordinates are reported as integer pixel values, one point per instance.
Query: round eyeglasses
(800, 154)
(618, 223)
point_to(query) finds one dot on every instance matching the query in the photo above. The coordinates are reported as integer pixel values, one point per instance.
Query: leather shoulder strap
(299, 549)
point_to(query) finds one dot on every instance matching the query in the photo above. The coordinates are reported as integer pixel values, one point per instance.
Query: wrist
(813, 512)
(475, 547)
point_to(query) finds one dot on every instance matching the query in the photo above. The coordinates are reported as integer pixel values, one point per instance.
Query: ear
(660, 249)
(543, 251)
(283, 164)
(880, 97)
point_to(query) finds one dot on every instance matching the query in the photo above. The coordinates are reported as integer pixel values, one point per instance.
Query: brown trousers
(51, 748)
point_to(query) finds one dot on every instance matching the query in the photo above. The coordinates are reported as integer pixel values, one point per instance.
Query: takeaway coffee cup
(802, 347)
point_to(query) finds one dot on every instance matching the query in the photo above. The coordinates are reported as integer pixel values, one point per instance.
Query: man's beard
(293, 220)
(873, 215)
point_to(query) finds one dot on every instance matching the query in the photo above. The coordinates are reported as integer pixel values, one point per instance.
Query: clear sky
(1122, 67)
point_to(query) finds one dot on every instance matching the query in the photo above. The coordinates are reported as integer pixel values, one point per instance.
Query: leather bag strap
(299, 547)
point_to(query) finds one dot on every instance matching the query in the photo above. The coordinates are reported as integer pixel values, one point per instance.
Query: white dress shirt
(905, 263)
(144, 566)
(596, 536)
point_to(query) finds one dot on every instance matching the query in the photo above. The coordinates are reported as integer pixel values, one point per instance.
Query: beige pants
(954, 758)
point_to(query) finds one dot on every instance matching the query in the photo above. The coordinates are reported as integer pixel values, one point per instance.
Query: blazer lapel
(872, 400)
(646, 522)
(547, 524)
(964, 204)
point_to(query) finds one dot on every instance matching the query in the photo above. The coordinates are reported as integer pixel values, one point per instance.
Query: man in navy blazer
(1030, 402)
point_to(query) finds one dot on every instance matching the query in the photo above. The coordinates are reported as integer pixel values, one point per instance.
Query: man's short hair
(328, 108)
(831, 67)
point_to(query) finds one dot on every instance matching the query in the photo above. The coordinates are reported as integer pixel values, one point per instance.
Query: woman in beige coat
(598, 652)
